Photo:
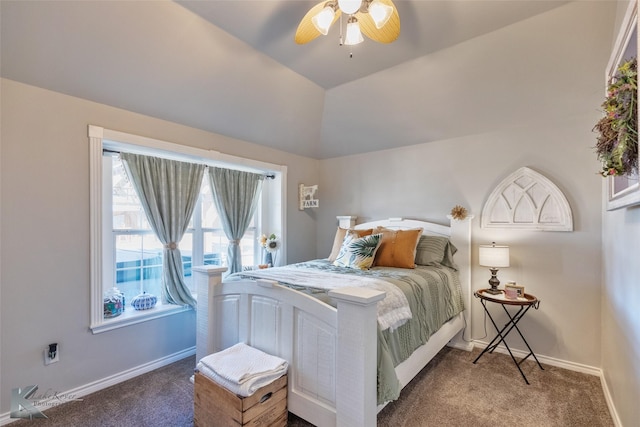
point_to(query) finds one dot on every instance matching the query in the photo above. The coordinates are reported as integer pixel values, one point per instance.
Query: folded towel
(242, 369)
(245, 389)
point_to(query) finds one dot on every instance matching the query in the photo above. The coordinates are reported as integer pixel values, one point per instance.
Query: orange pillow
(398, 248)
(339, 238)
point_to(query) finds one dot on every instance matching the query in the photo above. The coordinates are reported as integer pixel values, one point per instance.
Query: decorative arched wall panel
(527, 200)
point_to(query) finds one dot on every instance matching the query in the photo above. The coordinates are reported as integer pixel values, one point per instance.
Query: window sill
(132, 317)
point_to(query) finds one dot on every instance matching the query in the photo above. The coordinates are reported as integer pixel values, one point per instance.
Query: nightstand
(523, 304)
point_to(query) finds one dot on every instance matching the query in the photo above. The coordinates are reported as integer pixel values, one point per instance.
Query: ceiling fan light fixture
(323, 20)
(378, 20)
(353, 35)
(349, 6)
(380, 13)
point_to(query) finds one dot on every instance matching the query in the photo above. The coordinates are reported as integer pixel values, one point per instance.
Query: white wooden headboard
(428, 228)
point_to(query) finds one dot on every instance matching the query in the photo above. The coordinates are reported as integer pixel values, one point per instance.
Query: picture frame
(518, 288)
(624, 191)
(306, 197)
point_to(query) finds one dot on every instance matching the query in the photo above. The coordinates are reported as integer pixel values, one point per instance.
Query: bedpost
(206, 278)
(356, 356)
(346, 221)
(461, 238)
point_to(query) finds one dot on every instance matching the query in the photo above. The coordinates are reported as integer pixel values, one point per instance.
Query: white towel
(242, 369)
(245, 389)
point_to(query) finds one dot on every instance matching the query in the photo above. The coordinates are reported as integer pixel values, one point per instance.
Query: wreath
(617, 146)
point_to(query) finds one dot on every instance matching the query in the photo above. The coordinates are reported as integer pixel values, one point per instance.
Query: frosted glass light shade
(349, 6)
(494, 256)
(380, 13)
(323, 20)
(354, 35)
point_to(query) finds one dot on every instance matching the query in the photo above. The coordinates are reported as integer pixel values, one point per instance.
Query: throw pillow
(431, 250)
(358, 252)
(397, 248)
(339, 238)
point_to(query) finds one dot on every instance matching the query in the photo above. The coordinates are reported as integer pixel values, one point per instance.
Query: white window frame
(272, 217)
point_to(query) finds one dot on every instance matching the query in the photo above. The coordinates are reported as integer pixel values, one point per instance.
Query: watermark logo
(21, 406)
(26, 403)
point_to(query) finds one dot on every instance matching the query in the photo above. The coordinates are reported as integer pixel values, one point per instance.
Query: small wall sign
(306, 197)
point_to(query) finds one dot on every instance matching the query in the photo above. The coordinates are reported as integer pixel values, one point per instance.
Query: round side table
(524, 303)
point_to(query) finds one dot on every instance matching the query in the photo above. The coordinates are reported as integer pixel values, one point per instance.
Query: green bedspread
(434, 297)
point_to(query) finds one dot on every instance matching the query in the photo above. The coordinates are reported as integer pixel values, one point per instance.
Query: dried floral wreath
(617, 146)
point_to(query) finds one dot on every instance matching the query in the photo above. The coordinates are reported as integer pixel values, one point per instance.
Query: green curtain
(168, 191)
(235, 194)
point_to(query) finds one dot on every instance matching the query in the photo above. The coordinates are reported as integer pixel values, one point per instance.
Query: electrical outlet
(51, 354)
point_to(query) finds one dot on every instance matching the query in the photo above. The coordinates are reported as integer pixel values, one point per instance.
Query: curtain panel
(168, 191)
(235, 194)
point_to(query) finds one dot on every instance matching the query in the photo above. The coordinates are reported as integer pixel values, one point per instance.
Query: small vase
(267, 259)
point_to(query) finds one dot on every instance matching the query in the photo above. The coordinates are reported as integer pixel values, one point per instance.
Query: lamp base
(494, 282)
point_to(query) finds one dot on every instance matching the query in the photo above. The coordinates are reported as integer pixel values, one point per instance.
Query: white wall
(620, 312)
(566, 52)
(620, 300)
(44, 172)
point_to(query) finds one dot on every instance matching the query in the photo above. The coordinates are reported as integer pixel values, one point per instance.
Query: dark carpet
(450, 391)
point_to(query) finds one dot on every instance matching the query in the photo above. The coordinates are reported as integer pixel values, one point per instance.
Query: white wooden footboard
(332, 375)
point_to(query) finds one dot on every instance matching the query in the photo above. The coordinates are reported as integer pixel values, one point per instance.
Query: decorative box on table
(216, 406)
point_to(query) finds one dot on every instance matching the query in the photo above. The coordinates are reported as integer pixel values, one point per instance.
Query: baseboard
(103, 383)
(577, 367)
(612, 408)
(572, 366)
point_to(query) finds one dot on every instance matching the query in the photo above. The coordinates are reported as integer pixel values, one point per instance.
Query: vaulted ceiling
(233, 68)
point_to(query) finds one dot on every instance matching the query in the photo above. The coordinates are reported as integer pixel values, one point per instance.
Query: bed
(333, 378)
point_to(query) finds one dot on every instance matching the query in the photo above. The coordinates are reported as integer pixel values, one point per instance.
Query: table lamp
(494, 257)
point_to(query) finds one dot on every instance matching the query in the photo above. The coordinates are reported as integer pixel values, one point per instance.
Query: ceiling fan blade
(386, 34)
(306, 31)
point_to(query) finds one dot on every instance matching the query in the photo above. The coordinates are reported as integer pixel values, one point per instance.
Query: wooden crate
(216, 406)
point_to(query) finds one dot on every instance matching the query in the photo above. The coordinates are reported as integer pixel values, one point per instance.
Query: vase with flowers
(270, 246)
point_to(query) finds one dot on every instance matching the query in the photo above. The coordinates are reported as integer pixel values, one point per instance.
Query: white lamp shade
(380, 13)
(323, 20)
(354, 35)
(349, 6)
(494, 256)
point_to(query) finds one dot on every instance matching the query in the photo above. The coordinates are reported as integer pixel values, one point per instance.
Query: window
(136, 266)
(125, 251)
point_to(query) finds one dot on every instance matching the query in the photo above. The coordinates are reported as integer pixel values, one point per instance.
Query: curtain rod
(106, 150)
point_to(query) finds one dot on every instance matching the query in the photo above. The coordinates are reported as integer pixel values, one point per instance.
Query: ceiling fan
(376, 19)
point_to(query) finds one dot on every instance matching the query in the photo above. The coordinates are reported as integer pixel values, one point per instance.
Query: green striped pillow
(435, 250)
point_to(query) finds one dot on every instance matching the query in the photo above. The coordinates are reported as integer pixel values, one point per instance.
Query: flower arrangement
(271, 245)
(617, 146)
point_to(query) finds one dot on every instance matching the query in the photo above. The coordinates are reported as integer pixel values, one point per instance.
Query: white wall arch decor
(527, 200)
